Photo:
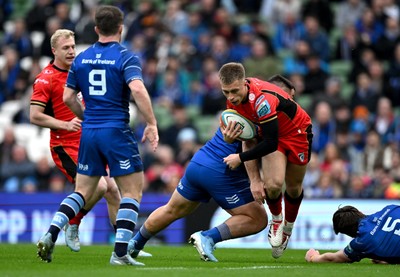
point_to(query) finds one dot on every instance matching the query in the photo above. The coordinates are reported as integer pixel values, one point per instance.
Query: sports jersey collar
(56, 67)
(106, 43)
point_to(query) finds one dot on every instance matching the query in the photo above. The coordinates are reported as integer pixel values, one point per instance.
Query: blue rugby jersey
(378, 237)
(215, 150)
(102, 73)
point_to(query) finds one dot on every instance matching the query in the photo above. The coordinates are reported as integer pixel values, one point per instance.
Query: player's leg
(293, 197)
(69, 207)
(177, 207)
(274, 168)
(113, 198)
(245, 220)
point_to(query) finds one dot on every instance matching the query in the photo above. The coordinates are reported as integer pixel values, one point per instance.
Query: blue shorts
(113, 147)
(200, 183)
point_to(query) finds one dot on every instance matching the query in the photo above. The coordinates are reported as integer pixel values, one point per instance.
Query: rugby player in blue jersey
(206, 177)
(375, 236)
(107, 74)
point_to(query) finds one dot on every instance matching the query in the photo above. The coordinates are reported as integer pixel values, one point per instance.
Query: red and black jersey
(48, 90)
(266, 102)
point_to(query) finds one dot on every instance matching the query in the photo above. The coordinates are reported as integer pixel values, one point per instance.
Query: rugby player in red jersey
(284, 148)
(48, 110)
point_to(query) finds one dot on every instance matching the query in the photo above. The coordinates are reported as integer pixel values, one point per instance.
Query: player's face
(235, 92)
(64, 52)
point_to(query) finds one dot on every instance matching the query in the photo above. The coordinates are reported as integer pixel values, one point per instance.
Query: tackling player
(284, 149)
(48, 110)
(375, 236)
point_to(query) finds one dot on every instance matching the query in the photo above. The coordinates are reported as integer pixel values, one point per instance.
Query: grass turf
(93, 261)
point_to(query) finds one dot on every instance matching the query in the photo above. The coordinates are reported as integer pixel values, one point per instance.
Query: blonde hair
(60, 33)
(230, 72)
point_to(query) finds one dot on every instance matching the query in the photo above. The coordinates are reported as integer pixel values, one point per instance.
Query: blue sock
(69, 207)
(141, 238)
(213, 233)
(126, 221)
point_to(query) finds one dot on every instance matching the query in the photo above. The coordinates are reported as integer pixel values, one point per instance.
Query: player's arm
(256, 182)
(313, 256)
(71, 99)
(38, 117)
(143, 102)
(268, 144)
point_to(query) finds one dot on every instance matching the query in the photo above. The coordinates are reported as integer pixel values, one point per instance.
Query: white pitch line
(216, 268)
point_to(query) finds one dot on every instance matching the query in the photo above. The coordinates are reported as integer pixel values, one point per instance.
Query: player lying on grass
(375, 236)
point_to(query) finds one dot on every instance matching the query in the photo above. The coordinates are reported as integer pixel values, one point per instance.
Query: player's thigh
(274, 168)
(252, 209)
(131, 185)
(295, 175)
(86, 185)
(179, 206)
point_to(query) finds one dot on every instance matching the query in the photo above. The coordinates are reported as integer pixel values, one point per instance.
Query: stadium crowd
(342, 56)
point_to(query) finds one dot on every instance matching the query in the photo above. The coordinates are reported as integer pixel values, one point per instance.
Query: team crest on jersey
(263, 109)
(252, 97)
(98, 56)
(48, 71)
(301, 156)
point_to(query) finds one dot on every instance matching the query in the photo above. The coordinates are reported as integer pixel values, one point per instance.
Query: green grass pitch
(92, 261)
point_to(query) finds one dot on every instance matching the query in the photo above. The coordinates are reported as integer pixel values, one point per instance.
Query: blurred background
(342, 56)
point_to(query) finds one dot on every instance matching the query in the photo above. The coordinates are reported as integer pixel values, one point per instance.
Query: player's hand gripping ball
(248, 128)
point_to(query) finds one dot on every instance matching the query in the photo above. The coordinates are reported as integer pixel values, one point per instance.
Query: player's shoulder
(45, 76)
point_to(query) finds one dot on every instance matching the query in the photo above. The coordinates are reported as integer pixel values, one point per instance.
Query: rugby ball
(248, 127)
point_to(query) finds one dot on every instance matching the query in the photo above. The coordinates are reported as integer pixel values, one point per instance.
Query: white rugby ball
(248, 127)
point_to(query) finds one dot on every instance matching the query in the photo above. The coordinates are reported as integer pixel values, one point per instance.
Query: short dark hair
(346, 220)
(108, 19)
(281, 81)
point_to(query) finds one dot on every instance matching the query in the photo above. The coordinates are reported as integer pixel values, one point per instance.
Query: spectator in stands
(386, 44)
(330, 94)
(312, 175)
(316, 76)
(321, 10)
(365, 57)
(9, 74)
(324, 127)
(181, 121)
(379, 79)
(241, 48)
(287, 33)
(175, 18)
(369, 27)
(316, 37)
(195, 27)
(348, 45)
(364, 94)
(19, 39)
(37, 16)
(187, 146)
(281, 9)
(383, 119)
(84, 28)
(261, 63)
(348, 13)
(296, 63)
(7, 145)
(393, 75)
(62, 10)
(14, 173)
(6, 10)
(52, 25)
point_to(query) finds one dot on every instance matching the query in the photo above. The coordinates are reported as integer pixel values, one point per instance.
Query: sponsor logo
(301, 157)
(98, 56)
(124, 164)
(263, 109)
(43, 81)
(83, 167)
(259, 99)
(232, 199)
(180, 186)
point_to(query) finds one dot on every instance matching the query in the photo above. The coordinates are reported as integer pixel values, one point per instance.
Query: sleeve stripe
(269, 119)
(134, 66)
(38, 103)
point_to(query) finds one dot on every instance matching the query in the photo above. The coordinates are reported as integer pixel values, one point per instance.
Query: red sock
(292, 206)
(77, 219)
(275, 205)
